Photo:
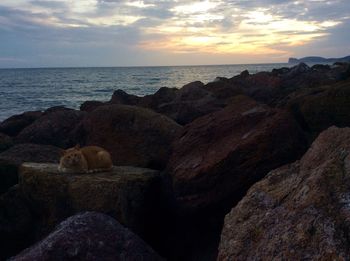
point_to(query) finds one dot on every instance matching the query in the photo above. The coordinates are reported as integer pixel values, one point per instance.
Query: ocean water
(38, 89)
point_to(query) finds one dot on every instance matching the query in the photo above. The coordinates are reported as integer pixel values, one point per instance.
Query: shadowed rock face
(133, 135)
(53, 128)
(322, 107)
(15, 124)
(219, 156)
(128, 194)
(299, 211)
(5, 142)
(17, 223)
(89, 236)
(11, 159)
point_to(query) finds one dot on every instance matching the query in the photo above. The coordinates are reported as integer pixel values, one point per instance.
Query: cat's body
(85, 160)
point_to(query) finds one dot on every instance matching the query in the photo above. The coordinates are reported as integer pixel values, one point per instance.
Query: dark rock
(299, 211)
(220, 155)
(89, 106)
(129, 194)
(163, 96)
(89, 236)
(323, 107)
(280, 71)
(53, 128)
(11, 159)
(56, 109)
(133, 135)
(27, 152)
(321, 67)
(5, 142)
(16, 223)
(15, 124)
(121, 97)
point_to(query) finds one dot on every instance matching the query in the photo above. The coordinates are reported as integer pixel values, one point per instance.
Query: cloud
(114, 31)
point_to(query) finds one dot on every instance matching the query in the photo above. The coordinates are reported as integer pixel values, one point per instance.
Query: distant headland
(317, 59)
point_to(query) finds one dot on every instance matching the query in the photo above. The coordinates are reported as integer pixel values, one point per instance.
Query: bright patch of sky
(149, 32)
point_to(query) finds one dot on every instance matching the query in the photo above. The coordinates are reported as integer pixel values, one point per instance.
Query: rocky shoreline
(247, 167)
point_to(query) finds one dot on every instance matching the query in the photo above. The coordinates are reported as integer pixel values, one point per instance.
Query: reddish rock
(220, 155)
(89, 236)
(163, 96)
(13, 125)
(53, 128)
(133, 135)
(299, 211)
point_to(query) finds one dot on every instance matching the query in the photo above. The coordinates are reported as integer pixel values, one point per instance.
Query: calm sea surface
(38, 89)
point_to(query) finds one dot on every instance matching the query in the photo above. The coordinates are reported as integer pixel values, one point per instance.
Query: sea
(41, 88)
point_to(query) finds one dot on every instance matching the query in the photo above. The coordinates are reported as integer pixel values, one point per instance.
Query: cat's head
(72, 157)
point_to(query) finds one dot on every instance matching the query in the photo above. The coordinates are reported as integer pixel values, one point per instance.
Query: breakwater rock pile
(250, 167)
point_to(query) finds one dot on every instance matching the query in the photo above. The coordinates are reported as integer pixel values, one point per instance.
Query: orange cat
(85, 160)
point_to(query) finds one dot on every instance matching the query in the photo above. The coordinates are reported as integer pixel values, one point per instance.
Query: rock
(16, 223)
(220, 155)
(128, 194)
(299, 211)
(89, 106)
(12, 158)
(89, 236)
(53, 128)
(163, 96)
(13, 125)
(5, 142)
(133, 135)
(121, 97)
(280, 71)
(323, 107)
(191, 102)
(27, 152)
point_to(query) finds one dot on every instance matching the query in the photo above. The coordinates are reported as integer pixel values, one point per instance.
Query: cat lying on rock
(85, 160)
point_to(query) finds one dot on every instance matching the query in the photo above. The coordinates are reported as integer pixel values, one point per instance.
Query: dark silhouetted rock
(11, 159)
(128, 194)
(89, 106)
(299, 211)
(323, 107)
(5, 142)
(15, 124)
(17, 223)
(121, 97)
(133, 135)
(220, 155)
(89, 236)
(163, 96)
(53, 128)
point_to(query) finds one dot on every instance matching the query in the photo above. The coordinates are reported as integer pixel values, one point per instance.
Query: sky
(69, 33)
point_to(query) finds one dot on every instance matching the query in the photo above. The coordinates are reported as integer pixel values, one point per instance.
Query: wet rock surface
(299, 211)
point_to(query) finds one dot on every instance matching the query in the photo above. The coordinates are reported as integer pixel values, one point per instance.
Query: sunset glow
(210, 27)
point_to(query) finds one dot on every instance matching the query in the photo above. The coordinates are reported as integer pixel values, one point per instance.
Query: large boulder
(133, 135)
(299, 211)
(89, 236)
(15, 124)
(53, 128)
(17, 223)
(11, 159)
(220, 155)
(323, 107)
(128, 194)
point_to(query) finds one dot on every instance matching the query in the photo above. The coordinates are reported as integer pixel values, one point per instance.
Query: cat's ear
(77, 147)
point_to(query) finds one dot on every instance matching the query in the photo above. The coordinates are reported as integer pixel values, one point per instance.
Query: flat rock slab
(128, 194)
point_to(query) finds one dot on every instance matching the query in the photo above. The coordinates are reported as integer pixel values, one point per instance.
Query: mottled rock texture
(89, 236)
(128, 194)
(300, 211)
